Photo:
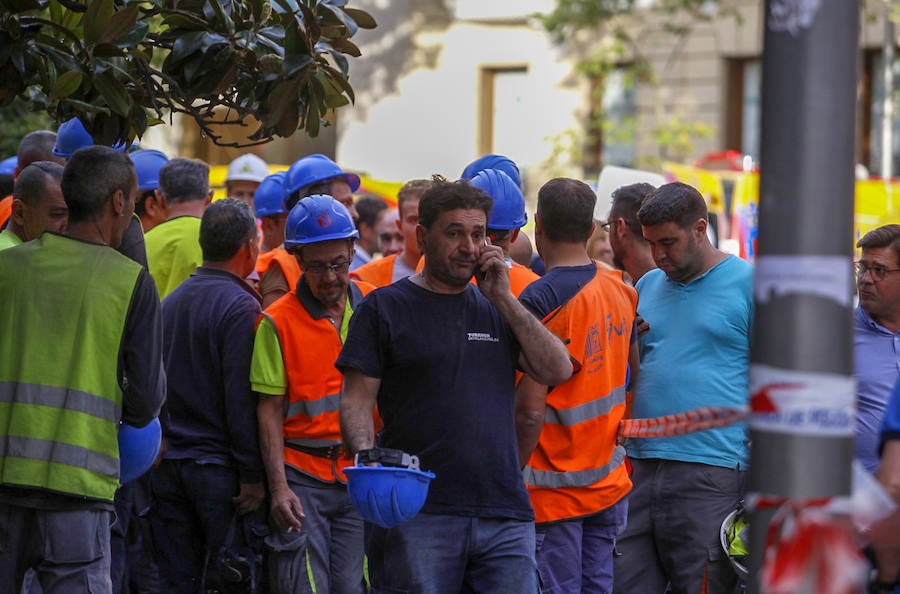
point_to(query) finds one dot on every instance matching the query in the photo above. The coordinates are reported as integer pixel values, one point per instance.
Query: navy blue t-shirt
(447, 367)
(556, 288)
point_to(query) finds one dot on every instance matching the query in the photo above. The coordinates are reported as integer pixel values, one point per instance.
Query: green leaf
(97, 19)
(67, 84)
(121, 23)
(16, 6)
(361, 17)
(288, 123)
(346, 46)
(348, 22)
(107, 50)
(113, 92)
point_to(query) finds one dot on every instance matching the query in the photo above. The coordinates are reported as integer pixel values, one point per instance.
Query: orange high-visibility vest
(379, 273)
(5, 209)
(309, 347)
(577, 469)
(288, 264)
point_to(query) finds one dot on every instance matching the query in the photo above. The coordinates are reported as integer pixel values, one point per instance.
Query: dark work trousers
(69, 550)
(192, 511)
(675, 512)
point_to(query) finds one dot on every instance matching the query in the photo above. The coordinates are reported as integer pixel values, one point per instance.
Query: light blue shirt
(876, 365)
(696, 354)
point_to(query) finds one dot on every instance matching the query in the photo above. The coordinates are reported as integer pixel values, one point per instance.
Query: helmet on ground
(508, 211)
(315, 168)
(390, 494)
(138, 448)
(72, 135)
(147, 163)
(504, 164)
(269, 196)
(247, 167)
(8, 165)
(733, 537)
(318, 218)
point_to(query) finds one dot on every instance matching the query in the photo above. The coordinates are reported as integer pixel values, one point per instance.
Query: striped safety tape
(699, 419)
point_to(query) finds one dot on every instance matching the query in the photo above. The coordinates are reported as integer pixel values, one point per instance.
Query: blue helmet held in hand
(138, 448)
(389, 494)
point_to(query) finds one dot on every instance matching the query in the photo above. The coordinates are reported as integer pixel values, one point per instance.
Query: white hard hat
(247, 167)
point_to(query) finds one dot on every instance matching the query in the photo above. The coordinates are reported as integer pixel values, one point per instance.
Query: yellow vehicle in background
(730, 183)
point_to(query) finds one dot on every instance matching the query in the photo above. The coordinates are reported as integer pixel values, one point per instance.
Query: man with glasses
(631, 252)
(298, 340)
(877, 335)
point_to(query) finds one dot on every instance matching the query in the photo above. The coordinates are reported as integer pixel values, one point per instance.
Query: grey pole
(803, 319)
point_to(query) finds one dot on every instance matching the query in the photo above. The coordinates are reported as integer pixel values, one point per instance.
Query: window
(743, 111)
(504, 112)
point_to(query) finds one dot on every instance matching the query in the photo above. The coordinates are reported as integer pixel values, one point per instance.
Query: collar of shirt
(206, 271)
(315, 307)
(864, 319)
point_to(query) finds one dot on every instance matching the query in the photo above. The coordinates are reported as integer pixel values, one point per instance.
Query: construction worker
(506, 219)
(211, 469)
(499, 162)
(173, 246)
(371, 210)
(390, 269)
(631, 252)
(82, 344)
(699, 305)
(439, 356)
(38, 204)
(244, 176)
(34, 146)
(390, 239)
(576, 475)
(317, 174)
(297, 342)
(278, 270)
(150, 207)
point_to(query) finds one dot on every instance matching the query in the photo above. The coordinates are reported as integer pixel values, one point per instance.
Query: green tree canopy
(124, 65)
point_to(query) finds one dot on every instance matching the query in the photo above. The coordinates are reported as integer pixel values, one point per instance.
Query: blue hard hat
(508, 211)
(138, 448)
(387, 495)
(72, 135)
(8, 165)
(318, 218)
(316, 168)
(269, 196)
(147, 163)
(504, 164)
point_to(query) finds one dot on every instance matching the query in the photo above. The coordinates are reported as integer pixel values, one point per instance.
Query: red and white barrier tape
(699, 419)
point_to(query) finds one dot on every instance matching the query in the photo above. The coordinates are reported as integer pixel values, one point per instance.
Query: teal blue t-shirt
(696, 354)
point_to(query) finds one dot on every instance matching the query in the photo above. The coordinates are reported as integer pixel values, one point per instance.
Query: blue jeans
(577, 555)
(69, 550)
(193, 510)
(438, 554)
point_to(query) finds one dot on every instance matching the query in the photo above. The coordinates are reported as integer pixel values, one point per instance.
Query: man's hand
(251, 495)
(286, 509)
(642, 325)
(492, 272)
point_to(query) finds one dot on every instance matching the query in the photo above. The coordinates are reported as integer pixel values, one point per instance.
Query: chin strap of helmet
(387, 457)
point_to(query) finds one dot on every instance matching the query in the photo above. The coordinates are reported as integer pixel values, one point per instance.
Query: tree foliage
(124, 65)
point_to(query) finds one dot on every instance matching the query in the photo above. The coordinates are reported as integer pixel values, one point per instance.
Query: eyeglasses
(605, 226)
(496, 235)
(318, 269)
(877, 271)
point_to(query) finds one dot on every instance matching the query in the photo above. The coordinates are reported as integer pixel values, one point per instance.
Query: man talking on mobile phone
(439, 356)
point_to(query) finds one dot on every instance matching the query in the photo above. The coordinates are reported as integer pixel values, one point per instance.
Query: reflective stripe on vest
(577, 469)
(587, 411)
(17, 446)
(60, 398)
(56, 397)
(580, 478)
(313, 408)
